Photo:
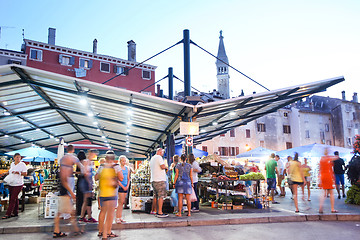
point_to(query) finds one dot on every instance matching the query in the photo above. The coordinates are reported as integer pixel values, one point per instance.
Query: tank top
(295, 174)
(306, 171)
(108, 182)
(125, 172)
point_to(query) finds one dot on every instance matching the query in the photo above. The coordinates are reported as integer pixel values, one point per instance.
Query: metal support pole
(171, 83)
(187, 83)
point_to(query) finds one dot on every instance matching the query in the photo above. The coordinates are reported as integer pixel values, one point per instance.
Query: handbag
(193, 197)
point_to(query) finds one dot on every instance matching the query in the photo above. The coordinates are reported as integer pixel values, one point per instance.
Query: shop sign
(189, 128)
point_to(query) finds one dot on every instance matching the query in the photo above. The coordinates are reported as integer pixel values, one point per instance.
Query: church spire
(222, 70)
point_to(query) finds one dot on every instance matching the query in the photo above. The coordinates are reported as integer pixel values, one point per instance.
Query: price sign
(189, 141)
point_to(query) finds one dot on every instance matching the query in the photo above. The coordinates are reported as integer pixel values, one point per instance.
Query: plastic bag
(11, 179)
(174, 198)
(193, 197)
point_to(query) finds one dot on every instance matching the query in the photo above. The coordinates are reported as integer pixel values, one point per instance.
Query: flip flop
(6, 217)
(112, 235)
(59, 234)
(334, 211)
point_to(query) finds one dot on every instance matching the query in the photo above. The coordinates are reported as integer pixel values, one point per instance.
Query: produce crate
(225, 206)
(237, 207)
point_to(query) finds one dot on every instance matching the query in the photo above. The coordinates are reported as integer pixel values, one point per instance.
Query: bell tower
(222, 70)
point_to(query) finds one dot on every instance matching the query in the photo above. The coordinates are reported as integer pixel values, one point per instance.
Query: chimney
(343, 95)
(131, 51)
(51, 36)
(355, 97)
(95, 46)
(158, 90)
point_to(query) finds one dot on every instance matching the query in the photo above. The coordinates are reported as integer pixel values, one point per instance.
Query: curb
(188, 223)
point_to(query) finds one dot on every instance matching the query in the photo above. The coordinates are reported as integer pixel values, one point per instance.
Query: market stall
(227, 187)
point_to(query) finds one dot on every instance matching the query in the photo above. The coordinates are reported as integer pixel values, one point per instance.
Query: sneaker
(195, 210)
(339, 197)
(153, 213)
(82, 219)
(162, 215)
(92, 220)
(344, 196)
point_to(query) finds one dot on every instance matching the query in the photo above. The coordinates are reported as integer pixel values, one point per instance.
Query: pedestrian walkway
(29, 221)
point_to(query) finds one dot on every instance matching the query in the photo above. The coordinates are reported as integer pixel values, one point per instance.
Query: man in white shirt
(158, 181)
(281, 168)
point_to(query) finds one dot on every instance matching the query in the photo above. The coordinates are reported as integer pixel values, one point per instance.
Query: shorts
(84, 186)
(183, 187)
(339, 178)
(159, 189)
(121, 190)
(104, 199)
(298, 183)
(308, 179)
(65, 204)
(271, 182)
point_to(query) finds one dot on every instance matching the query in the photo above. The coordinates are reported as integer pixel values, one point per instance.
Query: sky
(278, 43)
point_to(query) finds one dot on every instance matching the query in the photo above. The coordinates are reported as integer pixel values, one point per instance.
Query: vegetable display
(252, 176)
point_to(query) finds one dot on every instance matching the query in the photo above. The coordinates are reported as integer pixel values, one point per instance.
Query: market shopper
(339, 170)
(66, 191)
(281, 168)
(184, 183)
(286, 173)
(158, 181)
(271, 173)
(123, 188)
(108, 177)
(327, 180)
(297, 178)
(86, 188)
(171, 173)
(16, 173)
(196, 169)
(307, 176)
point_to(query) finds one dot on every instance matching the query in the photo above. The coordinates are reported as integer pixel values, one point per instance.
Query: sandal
(100, 234)
(59, 234)
(118, 220)
(78, 233)
(178, 214)
(334, 211)
(112, 235)
(6, 217)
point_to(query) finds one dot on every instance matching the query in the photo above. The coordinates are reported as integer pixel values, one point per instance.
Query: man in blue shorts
(271, 173)
(339, 170)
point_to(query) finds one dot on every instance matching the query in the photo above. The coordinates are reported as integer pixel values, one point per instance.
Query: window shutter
(115, 69)
(126, 71)
(90, 63)
(72, 60)
(39, 57)
(33, 54)
(226, 151)
(60, 58)
(237, 151)
(219, 150)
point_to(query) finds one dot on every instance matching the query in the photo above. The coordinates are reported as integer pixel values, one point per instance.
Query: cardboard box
(33, 200)
(225, 206)
(237, 207)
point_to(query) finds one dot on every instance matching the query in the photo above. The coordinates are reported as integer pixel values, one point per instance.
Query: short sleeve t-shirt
(280, 166)
(270, 168)
(157, 174)
(338, 166)
(20, 167)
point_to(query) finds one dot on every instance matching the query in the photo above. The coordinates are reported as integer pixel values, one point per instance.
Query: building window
(247, 133)
(328, 142)
(286, 129)
(237, 150)
(285, 114)
(348, 107)
(36, 54)
(288, 145)
(204, 148)
(66, 60)
(232, 151)
(349, 141)
(261, 127)
(307, 134)
(262, 143)
(12, 61)
(146, 75)
(105, 67)
(121, 70)
(327, 128)
(223, 151)
(85, 63)
(322, 135)
(232, 133)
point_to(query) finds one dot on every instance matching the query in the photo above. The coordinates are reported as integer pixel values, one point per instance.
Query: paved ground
(280, 231)
(29, 221)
